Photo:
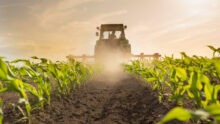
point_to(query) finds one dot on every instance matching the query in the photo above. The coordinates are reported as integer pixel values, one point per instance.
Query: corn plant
(209, 114)
(15, 85)
(37, 79)
(196, 78)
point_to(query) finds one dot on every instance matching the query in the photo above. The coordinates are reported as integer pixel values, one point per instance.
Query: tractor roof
(112, 27)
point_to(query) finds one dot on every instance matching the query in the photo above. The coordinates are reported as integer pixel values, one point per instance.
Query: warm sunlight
(198, 1)
(109, 61)
(201, 3)
(57, 28)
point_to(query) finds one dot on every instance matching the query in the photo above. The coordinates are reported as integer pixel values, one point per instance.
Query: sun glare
(195, 7)
(196, 2)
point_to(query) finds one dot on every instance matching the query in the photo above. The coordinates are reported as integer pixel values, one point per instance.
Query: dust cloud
(111, 77)
(113, 70)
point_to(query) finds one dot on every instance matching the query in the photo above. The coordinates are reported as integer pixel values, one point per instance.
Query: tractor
(112, 43)
(112, 46)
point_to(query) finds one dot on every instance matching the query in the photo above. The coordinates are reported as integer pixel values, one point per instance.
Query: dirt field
(106, 99)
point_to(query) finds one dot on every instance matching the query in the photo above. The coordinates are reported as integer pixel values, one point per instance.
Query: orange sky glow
(57, 28)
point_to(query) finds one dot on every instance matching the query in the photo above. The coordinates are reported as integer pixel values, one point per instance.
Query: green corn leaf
(208, 89)
(34, 57)
(214, 111)
(178, 113)
(11, 74)
(217, 66)
(155, 86)
(26, 62)
(205, 79)
(173, 73)
(183, 54)
(181, 73)
(43, 60)
(216, 91)
(3, 70)
(151, 79)
(3, 76)
(32, 90)
(15, 85)
(190, 94)
(211, 47)
(194, 81)
(186, 59)
(3, 90)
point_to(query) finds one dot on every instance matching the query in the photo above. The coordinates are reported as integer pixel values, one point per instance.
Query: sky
(57, 28)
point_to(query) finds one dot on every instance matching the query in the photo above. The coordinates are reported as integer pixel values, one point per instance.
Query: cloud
(57, 13)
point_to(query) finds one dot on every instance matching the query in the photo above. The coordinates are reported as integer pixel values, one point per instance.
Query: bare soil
(106, 99)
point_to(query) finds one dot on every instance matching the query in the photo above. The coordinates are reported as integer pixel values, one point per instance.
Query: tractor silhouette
(112, 45)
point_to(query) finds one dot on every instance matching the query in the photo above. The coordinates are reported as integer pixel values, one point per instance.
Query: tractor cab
(111, 31)
(112, 43)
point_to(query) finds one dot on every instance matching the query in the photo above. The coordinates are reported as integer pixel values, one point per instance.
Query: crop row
(195, 79)
(37, 79)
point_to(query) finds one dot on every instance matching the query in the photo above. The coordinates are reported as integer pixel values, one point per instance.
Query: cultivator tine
(84, 58)
(142, 56)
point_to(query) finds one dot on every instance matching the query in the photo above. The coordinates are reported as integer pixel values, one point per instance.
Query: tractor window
(111, 35)
(106, 34)
(118, 34)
